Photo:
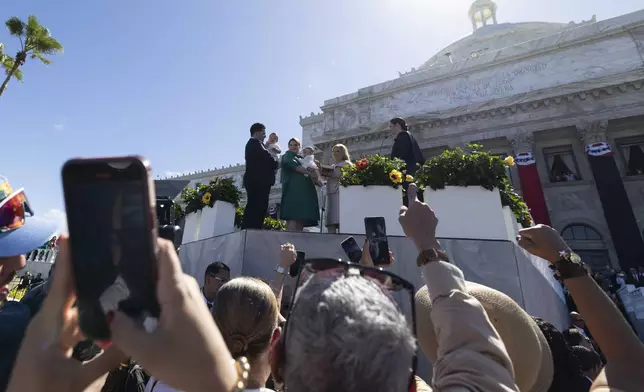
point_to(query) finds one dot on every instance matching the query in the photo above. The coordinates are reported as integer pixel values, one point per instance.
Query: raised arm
(624, 352)
(471, 355)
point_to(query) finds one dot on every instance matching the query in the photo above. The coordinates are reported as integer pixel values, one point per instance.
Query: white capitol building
(549, 89)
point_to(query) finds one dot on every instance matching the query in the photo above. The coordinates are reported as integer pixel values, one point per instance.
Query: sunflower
(409, 178)
(509, 160)
(206, 198)
(395, 176)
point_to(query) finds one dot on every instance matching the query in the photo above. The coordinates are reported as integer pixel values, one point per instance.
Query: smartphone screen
(352, 249)
(112, 229)
(376, 232)
(295, 267)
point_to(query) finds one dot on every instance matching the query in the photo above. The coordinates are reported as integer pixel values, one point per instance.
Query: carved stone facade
(568, 87)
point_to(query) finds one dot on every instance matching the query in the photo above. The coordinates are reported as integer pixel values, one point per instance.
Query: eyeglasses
(220, 279)
(13, 210)
(388, 280)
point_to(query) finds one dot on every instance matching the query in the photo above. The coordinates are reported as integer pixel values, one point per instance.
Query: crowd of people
(345, 328)
(301, 173)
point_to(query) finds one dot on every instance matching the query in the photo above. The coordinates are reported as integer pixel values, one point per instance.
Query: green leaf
(7, 62)
(16, 26)
(41, 58)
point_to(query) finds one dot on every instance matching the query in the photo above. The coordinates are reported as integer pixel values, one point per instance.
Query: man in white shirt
(215, 276)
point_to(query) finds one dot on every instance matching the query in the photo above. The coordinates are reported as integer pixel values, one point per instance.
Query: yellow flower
(206, 198)
(509, 160)
(409, 178)
(395, 176)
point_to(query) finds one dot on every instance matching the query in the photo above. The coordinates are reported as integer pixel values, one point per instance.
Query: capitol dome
(488, 35)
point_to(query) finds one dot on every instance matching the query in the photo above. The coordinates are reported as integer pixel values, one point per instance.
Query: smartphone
(376, 232)
(111, 218)
(352, 249)
(299, 261)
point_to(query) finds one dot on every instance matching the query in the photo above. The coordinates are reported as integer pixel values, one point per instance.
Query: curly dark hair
(568, 376)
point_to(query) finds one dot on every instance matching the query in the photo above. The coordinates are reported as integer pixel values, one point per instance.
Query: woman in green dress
(299, 207)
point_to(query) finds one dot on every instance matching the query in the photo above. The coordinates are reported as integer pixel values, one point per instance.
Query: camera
(166, 221)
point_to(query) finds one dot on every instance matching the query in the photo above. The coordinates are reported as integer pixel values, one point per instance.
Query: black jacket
(260, 165)
(406, 148)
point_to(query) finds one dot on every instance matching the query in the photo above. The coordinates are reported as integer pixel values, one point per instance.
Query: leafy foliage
(269, 223)
(36, 43)
(218, 189)
(373, 170)
(474, 167)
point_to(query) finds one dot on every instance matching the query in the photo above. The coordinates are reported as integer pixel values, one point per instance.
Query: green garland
(218, 189)
(373, 170)
(474, 167)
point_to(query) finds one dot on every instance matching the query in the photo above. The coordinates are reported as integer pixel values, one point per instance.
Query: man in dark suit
(406, 148)
(258, 178)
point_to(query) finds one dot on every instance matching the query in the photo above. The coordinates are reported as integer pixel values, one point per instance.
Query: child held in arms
(272, 146)
(308, 162)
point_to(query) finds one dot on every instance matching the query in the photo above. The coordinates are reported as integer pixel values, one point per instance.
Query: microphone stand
(382, 144)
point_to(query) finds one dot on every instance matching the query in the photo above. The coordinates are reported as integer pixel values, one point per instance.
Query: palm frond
(46, 45)
(34, 28)
(7, 62)
(39, 56)
(16, 26)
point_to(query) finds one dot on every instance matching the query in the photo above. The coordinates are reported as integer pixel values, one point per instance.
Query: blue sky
(181, 82)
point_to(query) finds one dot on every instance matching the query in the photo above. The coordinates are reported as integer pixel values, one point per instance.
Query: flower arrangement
(269, 223)
(474, 167)
(218, 189)
(373, 170)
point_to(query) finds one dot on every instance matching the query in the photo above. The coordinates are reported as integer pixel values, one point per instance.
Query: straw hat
(526, 345)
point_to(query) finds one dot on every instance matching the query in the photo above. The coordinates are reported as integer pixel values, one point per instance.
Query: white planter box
(209, 222)
(510, 224)
(358, 202)
(471, 212)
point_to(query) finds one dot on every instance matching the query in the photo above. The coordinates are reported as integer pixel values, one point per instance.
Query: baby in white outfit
(308, 162)
(272, 146)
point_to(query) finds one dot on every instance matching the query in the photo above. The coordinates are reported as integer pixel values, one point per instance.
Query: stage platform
(502, 265)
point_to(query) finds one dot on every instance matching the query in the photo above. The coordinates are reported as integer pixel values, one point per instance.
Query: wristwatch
(430, 255)
(281, 270)
(568, 266)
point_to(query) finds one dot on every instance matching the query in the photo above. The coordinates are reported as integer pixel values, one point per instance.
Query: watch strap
(569, 266)
(431, 255)
(281, 270)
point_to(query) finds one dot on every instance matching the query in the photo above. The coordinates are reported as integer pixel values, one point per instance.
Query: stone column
(523, 146)
(612, 194)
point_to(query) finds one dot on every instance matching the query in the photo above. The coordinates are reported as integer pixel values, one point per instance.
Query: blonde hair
(345, 152)
(246, 312)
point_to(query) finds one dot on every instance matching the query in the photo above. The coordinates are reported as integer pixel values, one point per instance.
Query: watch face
(574, 257)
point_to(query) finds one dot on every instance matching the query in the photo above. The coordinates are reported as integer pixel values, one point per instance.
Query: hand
(288, 255)
(368, 261)
(542, 241)
(187, 350)
(418, 221)
(44, 362)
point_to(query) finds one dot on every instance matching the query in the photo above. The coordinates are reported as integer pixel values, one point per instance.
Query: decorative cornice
(207, 172)
(531, 105)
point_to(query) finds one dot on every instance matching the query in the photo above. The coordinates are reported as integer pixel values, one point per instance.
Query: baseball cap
(20, 230)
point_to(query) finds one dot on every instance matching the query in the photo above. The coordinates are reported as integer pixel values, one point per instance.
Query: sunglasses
(13, 210)
(392, 282)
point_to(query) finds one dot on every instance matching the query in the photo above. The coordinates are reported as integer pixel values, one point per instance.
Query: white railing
(42, 255)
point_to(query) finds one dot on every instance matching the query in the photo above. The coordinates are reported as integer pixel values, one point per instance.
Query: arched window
(580, 232)
(587, 243)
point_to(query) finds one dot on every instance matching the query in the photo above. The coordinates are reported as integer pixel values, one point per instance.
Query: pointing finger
(412, 193)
